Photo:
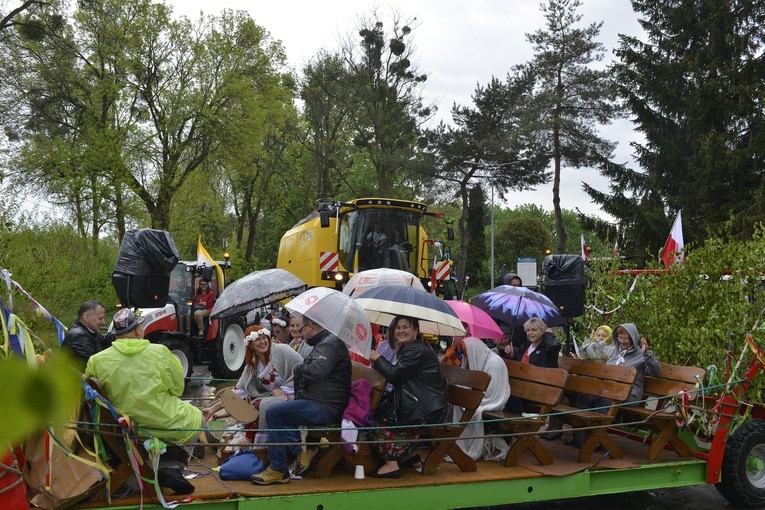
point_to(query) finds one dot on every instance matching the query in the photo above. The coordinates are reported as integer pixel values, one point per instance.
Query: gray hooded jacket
(644, 364)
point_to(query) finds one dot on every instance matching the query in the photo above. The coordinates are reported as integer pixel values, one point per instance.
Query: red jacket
(207, 299)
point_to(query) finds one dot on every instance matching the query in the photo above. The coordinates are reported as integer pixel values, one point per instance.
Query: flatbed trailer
(733, 461)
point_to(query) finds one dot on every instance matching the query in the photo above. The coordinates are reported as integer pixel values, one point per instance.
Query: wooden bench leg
(434, 459)
(328, 461)
(595, 438)
(667, 435)
(541, 453)
(462, 459)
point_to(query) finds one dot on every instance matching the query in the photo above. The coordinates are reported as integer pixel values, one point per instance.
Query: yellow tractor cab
(341, 238)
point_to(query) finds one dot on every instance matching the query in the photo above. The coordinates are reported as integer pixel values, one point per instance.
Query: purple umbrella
(516, 305)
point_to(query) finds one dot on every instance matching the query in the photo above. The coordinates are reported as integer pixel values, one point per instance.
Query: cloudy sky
(458, 43)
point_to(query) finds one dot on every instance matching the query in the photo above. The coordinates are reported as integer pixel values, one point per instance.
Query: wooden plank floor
(209, 486)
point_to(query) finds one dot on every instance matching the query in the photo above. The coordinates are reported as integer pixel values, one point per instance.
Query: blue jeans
(282, 420)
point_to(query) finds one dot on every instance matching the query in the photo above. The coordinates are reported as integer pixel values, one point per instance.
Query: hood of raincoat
(130, 346)
(633, 332)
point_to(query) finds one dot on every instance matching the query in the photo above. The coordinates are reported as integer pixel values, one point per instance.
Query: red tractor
(221, 343)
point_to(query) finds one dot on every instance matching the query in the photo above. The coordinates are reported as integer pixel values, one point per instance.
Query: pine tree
(572, 97)
(694, 88)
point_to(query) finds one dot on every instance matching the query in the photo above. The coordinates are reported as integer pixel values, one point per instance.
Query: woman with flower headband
(267, 376)
(280, 329)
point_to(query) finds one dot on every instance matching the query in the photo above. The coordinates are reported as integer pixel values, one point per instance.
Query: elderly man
(322, 390)
(83, 339)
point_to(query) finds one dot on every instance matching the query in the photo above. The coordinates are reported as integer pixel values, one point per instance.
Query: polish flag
(616, 248)
(673, 248)
(584, 252)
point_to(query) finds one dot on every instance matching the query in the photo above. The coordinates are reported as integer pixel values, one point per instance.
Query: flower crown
(279, 322)
(255, 334)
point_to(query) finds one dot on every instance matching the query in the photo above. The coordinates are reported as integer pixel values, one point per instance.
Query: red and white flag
(616, 248)
(673, 248)
(584, 248)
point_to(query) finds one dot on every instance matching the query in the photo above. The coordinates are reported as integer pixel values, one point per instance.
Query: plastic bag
(241, 466)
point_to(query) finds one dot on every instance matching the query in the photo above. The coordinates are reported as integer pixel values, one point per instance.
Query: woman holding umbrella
(419, 394)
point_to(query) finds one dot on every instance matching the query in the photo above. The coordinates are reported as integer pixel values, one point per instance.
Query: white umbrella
(341, 315)
(435, 316)
(365, 280)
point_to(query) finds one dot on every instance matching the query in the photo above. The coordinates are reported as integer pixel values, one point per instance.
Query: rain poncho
(145, 382)
(480, 357)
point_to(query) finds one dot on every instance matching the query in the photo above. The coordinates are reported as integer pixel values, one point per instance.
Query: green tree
(486, 146)
(476, 252)
(572, 97)
(521, 237)
(386, 97)
(694, 88)
(327, 118)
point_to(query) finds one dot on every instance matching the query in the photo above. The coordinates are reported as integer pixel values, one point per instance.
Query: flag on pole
(204, 259)
(616, 248)
(673, 248)
(584, 249)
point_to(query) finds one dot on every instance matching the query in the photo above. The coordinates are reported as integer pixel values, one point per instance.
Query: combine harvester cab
(341, 238)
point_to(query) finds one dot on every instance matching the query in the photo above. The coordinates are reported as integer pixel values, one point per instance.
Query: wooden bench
(541, 389)
(466, 389)
(587, 377)
(337, 451)
(661, 423)
(113, 437)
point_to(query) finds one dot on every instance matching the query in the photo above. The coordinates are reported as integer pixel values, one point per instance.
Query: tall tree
(695, 89)
(327, 116)
(476, 251)
(386, 92)
(487, 145)
(572, 96)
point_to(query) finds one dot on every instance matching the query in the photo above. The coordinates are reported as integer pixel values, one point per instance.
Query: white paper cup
(359, 474)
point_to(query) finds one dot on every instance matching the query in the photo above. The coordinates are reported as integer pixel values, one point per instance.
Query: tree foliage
(385, 90)
(572, 97)
(694, 87)
(692, 314)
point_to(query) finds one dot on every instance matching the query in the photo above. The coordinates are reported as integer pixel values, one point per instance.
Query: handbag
(241, 466)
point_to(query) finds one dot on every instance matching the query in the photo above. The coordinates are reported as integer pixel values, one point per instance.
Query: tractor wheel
(229, 352)
(743, 469)
(182, 351)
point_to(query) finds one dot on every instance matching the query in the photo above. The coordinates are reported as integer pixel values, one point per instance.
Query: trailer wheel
(183, 352)
(229, 352)
(743, 469)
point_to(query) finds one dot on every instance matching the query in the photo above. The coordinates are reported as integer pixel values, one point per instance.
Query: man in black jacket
(322, 389)
(83, 339)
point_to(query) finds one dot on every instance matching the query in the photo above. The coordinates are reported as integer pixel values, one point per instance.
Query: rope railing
(82, 425)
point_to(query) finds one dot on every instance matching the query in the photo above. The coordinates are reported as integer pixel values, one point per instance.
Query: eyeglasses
(301, 328)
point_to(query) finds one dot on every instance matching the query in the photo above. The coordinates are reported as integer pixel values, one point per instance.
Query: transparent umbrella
(365, 280)
(341, 315)
(259, 288)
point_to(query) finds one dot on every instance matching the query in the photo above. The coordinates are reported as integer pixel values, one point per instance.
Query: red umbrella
(479, 323)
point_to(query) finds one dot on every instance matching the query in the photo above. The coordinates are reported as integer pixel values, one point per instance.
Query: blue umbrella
(516, 305)
(384, 303)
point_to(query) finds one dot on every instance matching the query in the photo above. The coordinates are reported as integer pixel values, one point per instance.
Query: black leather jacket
(418, 386)
(546, 353)
(83, 343)
(325, 375)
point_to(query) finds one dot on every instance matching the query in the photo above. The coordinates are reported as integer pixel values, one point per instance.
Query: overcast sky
(458, 44)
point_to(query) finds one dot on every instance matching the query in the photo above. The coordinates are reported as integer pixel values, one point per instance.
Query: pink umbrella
(479, 323)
